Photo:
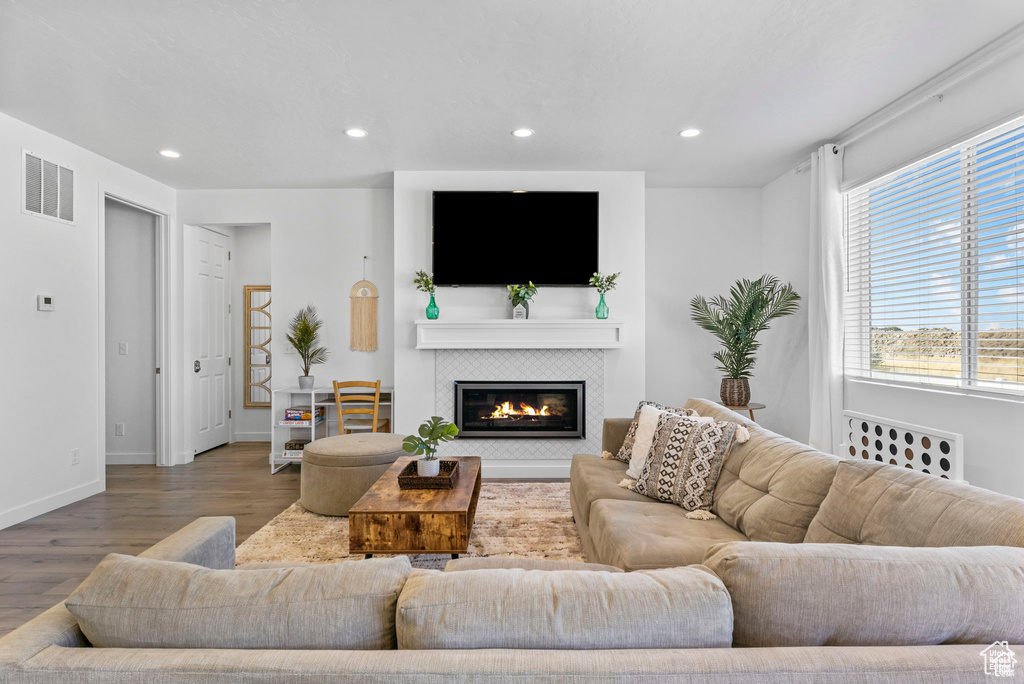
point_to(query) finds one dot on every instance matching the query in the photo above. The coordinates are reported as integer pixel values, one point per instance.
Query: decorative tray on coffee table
(409, 479)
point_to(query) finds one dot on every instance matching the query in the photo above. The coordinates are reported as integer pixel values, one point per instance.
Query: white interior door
(209, 257)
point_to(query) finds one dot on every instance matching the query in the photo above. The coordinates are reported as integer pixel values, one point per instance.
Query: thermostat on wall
(44, 303)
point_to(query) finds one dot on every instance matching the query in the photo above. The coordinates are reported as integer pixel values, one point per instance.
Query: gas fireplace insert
(520, 409)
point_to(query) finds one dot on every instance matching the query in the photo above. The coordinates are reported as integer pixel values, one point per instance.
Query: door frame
(229, 397)
(164, 415)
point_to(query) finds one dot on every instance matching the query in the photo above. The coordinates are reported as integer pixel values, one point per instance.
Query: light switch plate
(44, 303)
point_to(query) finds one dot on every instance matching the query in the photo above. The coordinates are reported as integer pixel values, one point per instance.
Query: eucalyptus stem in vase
(425, 283)
(520, 296)
(603, 284)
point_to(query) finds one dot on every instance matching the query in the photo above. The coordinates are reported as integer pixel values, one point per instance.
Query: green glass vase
(602, 309)
(432, 311)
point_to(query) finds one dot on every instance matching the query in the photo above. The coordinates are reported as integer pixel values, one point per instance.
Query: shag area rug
(518, 519)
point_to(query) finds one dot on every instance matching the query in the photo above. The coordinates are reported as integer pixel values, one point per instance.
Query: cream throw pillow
(646, 427)
(625, 452)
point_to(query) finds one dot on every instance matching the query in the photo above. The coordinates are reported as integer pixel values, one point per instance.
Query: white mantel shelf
(503, 333)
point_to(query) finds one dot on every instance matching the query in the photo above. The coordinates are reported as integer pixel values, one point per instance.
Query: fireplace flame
(506, 410)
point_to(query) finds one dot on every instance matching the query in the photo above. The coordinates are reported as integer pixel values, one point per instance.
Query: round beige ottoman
(337, 471)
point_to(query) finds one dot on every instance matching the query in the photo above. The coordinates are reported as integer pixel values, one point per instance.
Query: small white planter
(306, 382)
(431, 468)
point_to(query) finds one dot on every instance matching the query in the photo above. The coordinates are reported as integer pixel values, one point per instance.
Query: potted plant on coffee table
(520, 296)
(304, 335)
(736, 321)
(429, 435)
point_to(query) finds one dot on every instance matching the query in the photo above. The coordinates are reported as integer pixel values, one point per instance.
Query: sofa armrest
(209, 542)
(55, 627)
(615, 430)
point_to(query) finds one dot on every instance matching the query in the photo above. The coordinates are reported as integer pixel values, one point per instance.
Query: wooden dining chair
(373, 423)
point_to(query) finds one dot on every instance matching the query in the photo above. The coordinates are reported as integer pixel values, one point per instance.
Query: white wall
(56, 354)
(994, 457)
(701, 241)
(622, 225)
(318, 239)
(250, 265)
(785, 222)
(130, 258)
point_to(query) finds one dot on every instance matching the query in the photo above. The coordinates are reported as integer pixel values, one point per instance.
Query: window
(935, 268)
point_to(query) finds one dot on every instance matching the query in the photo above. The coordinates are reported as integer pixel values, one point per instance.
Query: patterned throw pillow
(685, 461)
(626, 450)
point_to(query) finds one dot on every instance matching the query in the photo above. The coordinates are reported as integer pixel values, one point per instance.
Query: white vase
(306, 382)
(425, 468)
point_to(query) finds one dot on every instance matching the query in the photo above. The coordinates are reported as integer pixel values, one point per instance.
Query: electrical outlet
(74, 456)
(122, 348)
(119, 429)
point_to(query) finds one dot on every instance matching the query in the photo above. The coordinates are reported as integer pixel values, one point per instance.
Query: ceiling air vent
(49, 189)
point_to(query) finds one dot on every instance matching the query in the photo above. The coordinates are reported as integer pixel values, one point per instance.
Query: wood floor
(44, 559)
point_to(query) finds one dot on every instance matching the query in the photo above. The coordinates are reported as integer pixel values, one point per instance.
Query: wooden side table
(749, 408)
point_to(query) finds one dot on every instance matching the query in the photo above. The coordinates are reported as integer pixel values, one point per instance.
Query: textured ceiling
(256, 94)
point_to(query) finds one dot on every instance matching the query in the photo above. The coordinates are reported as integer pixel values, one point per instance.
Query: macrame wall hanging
(363, 299)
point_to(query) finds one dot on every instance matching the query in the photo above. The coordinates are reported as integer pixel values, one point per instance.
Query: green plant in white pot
(736, 321)
(520, 296)
(304, 334)
(429, 435)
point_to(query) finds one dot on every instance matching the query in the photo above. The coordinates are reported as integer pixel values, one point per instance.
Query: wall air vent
(49, 189)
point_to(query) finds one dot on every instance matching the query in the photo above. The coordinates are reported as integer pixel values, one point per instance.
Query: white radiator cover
(916, 447)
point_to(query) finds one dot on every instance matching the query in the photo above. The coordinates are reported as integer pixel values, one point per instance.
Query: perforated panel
(926, 450)
(67, 194)
(33, 184)
(50, 188)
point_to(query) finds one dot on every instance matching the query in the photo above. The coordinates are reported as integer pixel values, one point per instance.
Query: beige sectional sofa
(774, 489)
(779, 610)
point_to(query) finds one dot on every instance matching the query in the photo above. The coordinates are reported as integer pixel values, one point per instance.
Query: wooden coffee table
(392, 520)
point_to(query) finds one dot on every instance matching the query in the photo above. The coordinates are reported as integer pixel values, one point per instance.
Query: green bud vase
(602, 309)
(433, 312)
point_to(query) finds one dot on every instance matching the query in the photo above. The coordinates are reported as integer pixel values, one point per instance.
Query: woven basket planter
(735, 391)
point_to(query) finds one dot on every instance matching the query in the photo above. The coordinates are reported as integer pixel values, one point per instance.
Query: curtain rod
(933, 89)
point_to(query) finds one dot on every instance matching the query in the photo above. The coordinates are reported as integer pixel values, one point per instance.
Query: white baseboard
(252, 437)
(31, 510)
(525, 469)
(131, 459)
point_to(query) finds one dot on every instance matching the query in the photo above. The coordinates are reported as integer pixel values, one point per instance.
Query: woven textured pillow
(685, 461)
(626, 450)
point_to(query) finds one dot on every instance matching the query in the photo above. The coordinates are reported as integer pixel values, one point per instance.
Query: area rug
(518, 519)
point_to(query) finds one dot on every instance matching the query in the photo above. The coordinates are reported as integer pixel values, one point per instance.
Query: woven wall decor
(363, 299)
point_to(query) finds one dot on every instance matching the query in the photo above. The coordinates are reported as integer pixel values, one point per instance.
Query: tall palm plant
(737, 320)
(304, 335)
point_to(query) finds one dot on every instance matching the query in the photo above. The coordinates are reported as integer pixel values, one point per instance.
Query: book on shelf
(300, 423)
(303, 413)
(292, 453)
(296, 444)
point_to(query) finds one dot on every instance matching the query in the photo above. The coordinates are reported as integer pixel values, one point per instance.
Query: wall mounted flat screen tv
(501, 238)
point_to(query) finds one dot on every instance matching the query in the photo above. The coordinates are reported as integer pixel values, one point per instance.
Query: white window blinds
(935, 268)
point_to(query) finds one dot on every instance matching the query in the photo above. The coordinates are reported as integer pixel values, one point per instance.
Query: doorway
(130, 330)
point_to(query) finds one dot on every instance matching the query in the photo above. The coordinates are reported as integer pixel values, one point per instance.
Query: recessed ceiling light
(689, 132)
(523, 132)
(518, 191)
(170, 153)
(355, 133)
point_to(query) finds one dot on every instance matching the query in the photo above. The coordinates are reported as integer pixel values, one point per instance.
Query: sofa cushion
(685, 460)
(625, 451)
(535, 609)
(503, 562)
(876, 503)
(642, 536)
(130, 602)
(770, 487)
(846, 595)
(592, 478)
